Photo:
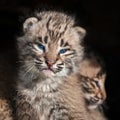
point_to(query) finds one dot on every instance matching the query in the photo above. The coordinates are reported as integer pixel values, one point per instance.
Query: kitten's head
(93, 76)
(51, 45)
(94, 90)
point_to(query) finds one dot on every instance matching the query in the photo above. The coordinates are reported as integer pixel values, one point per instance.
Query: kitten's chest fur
(44, 97)
(54, 100)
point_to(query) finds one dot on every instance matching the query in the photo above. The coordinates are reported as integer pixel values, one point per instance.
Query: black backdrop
(99, 17)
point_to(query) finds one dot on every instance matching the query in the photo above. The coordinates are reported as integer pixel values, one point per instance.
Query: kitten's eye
(62, 51)
(41, 47)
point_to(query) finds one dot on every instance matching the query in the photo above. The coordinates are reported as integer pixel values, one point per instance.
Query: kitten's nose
(50, 62)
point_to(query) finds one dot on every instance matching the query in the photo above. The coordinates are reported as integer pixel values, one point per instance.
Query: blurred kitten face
(94, 91)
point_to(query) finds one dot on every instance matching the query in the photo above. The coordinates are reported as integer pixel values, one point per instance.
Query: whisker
(60, 64)
(28, 69)
(59, 67)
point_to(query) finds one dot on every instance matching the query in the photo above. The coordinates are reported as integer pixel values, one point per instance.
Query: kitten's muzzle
(94, 100)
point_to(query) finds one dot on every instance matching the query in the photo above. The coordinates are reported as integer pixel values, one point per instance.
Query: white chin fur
(62, 73)
(92, 106)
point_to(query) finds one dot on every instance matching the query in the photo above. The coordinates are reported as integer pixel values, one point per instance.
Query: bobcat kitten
(49, 51)
(93, 77)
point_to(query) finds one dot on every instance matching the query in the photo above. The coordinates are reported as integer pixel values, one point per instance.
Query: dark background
(100, 18)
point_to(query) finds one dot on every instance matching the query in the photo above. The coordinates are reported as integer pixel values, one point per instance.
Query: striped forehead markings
(40, 39)
(47, 24)
(46, 39)
(63, 44)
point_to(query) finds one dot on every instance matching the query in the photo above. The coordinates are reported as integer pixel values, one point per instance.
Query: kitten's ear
(29, 23)
(81, 32)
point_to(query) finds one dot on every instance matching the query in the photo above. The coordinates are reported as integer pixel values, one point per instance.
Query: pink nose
(49, 62)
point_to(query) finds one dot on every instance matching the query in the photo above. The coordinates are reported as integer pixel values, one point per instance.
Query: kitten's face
(50, 46)
(53, 58)
(94, 90)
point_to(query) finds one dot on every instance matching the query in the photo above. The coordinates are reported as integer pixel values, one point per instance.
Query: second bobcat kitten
(93, 77)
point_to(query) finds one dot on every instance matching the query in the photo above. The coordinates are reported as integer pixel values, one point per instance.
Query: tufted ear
(29, 23)
(81, 32)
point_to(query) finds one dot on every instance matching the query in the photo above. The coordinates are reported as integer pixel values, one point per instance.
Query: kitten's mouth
(48, 72)
(48, 69)
(95, 101)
